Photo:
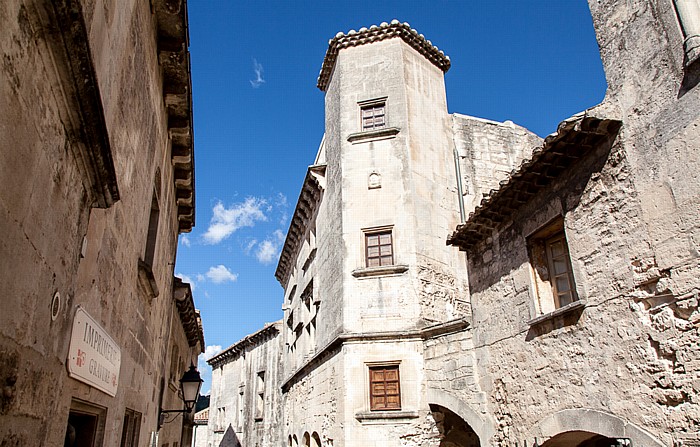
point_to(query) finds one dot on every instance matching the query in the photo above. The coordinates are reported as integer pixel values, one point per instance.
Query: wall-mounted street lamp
(190, 384)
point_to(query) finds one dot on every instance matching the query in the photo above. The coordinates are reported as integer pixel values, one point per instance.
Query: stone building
(572, 320)
(245, 394)
(97, 182)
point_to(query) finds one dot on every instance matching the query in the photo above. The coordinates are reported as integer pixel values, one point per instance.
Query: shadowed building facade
(97, 182)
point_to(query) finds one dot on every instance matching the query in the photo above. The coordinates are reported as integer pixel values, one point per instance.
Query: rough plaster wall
(624, 354)
(315, 404)
(47, 215)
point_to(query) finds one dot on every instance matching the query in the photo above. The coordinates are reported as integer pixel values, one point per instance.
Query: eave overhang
(235, 350)
(573, 139)
(376, 34)
(189, 316)
(174, 58)
(308, 201)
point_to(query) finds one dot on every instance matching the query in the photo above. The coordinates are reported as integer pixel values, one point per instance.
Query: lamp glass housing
(190, 384)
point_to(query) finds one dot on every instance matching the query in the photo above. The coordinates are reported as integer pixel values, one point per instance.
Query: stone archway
(458, 423)
(582, 439)
(584, 427)
(454, 431)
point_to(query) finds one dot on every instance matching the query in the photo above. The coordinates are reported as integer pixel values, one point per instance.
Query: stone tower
(373, 271)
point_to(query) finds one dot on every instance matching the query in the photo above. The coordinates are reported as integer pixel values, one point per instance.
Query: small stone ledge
(379, 416)
(569, 308)
(148, 280)
(380, 271)
(373, 135)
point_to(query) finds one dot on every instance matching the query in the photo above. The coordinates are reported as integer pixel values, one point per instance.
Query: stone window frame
(541, 263)
(383, 366)
(259, 396)
(131, 428)
(382, 270)
(376, 132)
(373, 105)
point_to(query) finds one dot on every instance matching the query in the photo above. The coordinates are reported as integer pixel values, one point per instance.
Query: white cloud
(221, 274)
(269, 249)
(186, 279)
(258, 69)
(225, 221)
(200, 277)
(205, 369)
(185, 240)
(211, 351)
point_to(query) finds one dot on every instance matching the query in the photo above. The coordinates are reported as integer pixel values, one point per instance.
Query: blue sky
(258, 117)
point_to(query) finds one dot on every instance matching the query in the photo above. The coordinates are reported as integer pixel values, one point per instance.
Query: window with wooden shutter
(373, 116)
(384, 388)
(379, 249)
(551, 266)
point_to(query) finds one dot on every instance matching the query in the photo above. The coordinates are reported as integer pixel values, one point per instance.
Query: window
(260, 398)
(241, 388)
(378, 249)
(551, 265)
(384, 390)
(152, 231)
(373, 116)
(561, 277)
(131, 428)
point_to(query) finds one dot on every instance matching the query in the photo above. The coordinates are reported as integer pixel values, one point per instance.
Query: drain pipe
(460, 193)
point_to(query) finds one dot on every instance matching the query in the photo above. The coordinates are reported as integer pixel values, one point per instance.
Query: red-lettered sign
(93, 357)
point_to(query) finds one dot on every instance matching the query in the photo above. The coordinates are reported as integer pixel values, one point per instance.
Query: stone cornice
(174, 58)
(189, 316)
(432, 331)
(573, 139)
(235, 350)
(308, 201)
(376, 34)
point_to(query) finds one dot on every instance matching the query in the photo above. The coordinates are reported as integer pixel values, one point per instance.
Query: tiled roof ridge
(237, 347)
(376, 33)
(581, 123)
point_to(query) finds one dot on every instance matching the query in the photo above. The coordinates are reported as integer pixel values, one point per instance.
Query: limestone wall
(488, 151)
(628, 354)
(315, 404)
(56, 242)
(246, 403)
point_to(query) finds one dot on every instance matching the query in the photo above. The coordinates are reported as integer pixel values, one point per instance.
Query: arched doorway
(583, 439)
(586, 427)
(454, 431)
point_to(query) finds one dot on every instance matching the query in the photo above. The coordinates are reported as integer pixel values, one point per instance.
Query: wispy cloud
(268, 250)
(225, 221)
(221, 274)
(185, 240)
(249, 246)
(258, 69)
(187, 279)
